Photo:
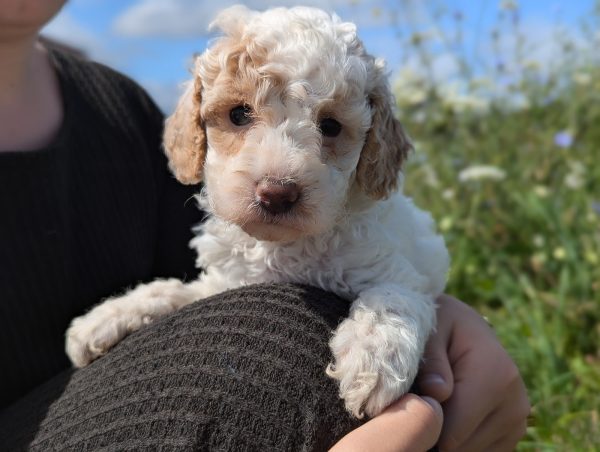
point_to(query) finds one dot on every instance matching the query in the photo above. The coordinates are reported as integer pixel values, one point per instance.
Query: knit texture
(240, 371)
(82, 219)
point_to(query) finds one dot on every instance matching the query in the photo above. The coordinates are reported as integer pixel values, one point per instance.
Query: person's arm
(467, 370)
(176, 209)
(412, 424)
(178, 213)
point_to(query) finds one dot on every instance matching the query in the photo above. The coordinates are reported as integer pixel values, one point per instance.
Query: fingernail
(431, 401)
(437, 408)
(432, 379)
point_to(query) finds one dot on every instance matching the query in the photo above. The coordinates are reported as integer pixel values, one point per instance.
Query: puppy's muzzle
(277, 196)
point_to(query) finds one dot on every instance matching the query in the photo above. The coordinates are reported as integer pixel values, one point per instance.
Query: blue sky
(153, 40)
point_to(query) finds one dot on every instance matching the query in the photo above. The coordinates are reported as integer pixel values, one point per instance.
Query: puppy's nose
(277, 196)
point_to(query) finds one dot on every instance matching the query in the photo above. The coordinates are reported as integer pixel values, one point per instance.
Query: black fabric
(80, 220)
(241, 371)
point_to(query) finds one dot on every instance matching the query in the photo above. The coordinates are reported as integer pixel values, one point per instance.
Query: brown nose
(277, 196)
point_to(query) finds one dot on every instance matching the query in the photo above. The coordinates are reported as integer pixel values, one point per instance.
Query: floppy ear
(185, 138)
(386, 146)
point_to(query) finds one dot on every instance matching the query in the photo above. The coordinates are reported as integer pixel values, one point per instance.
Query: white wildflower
(518, 101)
(415, 97)
(419, 117)
(582, 78)
(481, 83)
(538, 240)
(410, 88)
(459, 102)
(446, 224)
(575, 178)
(541, 191)
(574, 181)
(478, 172)
(559, 253)
(448, 194)
(462, 103)
(431, 177)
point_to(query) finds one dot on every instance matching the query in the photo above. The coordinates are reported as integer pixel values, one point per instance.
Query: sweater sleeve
(178, 213)
(135, 114)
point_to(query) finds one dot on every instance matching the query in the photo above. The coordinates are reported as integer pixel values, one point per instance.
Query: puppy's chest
(337, 262)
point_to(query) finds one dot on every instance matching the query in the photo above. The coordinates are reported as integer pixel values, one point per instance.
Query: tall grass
(508, 160)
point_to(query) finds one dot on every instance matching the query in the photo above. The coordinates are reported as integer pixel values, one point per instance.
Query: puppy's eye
(330, 127)
(241, 115)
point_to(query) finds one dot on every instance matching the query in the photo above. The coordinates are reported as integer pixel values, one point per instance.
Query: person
(89, 208)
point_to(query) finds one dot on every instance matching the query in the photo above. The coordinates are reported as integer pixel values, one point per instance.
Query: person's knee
(243, 367)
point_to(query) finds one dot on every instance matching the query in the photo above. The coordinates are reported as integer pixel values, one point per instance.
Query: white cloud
(178, 18)
(188, 18)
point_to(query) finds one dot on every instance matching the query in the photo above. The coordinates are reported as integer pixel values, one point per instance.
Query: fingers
(488, 406)
(476, 394)
(509, 443)
(503, 443)
(501, 429)
(435, 377)
(412, 424)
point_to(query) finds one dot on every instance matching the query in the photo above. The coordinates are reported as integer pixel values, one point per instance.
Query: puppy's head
(285, 114)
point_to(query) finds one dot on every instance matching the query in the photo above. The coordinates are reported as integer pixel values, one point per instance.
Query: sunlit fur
(351, 232)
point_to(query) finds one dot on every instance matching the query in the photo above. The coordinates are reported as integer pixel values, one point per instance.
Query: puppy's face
(284, 139)
(282, 119)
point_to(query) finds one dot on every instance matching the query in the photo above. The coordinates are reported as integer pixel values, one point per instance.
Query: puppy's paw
(375, 362)
(91, 336)
(94, 334)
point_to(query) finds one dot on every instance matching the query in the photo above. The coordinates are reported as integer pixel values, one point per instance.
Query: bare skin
(31, 109)
(411, 424)
(482, 393)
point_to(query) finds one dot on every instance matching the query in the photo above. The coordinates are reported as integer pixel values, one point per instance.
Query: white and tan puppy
(289, 124)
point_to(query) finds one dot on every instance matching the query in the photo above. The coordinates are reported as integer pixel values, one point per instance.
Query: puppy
(288, 122)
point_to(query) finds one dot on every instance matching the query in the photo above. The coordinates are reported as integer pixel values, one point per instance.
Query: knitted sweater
(92, 213)
(240, 371)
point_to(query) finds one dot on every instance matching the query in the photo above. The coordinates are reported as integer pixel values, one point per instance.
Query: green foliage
(511, 171)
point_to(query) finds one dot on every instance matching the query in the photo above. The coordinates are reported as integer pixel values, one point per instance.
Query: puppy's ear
(185, 137)
(386, 146)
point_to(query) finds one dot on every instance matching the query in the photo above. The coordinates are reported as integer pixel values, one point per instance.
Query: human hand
(412, 424)
(466, 369)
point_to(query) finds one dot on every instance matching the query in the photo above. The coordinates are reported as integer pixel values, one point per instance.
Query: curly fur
(351, 231)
